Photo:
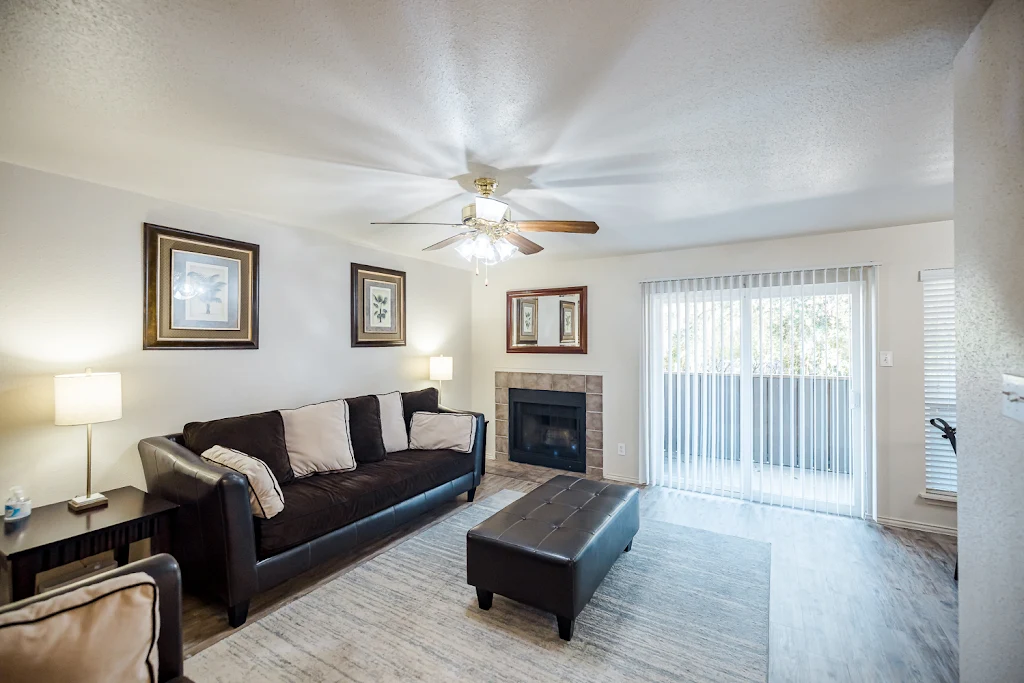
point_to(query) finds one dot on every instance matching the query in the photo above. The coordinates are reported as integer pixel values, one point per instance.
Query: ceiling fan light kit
(493, 237)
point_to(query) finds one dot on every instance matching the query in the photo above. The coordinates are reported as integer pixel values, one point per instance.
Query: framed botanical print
(527, 326)
(378, 306)
(567, 322)
(201, 292)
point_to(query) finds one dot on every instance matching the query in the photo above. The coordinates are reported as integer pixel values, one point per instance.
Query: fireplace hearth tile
(590, 385)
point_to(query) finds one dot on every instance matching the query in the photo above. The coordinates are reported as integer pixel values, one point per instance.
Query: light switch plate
(622, 449)
(885, 359)
(1013, 397)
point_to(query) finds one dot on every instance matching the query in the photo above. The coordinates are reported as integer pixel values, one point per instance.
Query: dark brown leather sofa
(227, 553)
(164, 571)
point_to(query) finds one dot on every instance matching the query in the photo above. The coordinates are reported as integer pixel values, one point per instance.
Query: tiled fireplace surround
(592, 385)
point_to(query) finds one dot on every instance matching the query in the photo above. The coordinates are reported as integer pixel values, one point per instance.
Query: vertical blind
(758, 386)
(939, 377)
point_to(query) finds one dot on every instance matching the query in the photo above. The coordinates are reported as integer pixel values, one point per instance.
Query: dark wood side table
(53, 535)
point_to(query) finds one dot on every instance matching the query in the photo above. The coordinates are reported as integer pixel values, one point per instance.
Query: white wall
(989, 182)
(614, 339)
(71, 295)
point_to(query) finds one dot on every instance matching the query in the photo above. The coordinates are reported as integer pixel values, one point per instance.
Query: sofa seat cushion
(322, 503)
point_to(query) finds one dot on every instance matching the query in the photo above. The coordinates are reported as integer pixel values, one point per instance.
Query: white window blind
(758, 387)
(939, 377)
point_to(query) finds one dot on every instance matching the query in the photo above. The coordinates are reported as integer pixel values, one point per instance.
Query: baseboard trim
(619, 477)
(917, 526)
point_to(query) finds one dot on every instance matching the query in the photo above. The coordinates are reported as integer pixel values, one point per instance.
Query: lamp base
(83, 503)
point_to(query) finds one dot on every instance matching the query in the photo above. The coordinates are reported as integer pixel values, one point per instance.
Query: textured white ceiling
(670, 123)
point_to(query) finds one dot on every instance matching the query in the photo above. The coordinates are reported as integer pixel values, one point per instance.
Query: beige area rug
(683, 605)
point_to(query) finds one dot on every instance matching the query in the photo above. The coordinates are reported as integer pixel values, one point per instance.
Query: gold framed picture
(201, 291)
(567, 322)
(378, 306)
(527, 323)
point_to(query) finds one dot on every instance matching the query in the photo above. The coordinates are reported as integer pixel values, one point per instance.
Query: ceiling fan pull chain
(478, 265)
(486, 283)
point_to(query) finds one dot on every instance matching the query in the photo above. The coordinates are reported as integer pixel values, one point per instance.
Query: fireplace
(548, 428)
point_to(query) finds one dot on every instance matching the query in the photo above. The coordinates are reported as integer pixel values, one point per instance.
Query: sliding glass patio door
(758, 387)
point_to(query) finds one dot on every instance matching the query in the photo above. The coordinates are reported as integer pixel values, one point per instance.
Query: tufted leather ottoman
(552, 548)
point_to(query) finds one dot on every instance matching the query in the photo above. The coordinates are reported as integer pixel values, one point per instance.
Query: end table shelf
(53, 535)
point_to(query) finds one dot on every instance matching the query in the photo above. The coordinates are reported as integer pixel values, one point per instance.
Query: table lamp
(440, 370)
(85, 399)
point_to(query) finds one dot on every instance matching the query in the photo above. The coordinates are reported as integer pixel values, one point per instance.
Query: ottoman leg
(565, 627)
(484, 598)
(629, 547)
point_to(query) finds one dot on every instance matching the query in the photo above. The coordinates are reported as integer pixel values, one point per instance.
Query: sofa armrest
(214, 539)
(479, 441)
(164, 571)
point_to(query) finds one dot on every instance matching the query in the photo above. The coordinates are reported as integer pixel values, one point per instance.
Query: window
(756, 387)
(939, 379)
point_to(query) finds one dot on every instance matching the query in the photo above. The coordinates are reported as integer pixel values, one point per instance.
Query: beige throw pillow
(265, 497)
(318, 439)
(392, 422)
(442, 431)
(103, 632)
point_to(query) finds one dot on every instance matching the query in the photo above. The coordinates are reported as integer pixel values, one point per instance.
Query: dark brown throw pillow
(424, 400)
(364, 429)
(259, 436)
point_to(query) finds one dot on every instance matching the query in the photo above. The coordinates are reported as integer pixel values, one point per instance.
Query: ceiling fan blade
(451, 225)
(580, 227)
(525, 246)
(451, 240)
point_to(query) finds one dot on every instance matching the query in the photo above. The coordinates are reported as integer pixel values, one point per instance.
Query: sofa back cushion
(105, 631)
(424, 400)
(442, 431)
(265, 497)
(259, 436)
(364, 427)
(318, 438)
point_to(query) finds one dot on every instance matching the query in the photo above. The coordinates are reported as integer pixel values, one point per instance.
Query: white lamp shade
(86, 398)
(441, 368)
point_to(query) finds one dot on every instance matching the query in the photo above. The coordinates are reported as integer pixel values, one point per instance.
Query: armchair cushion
(106, 631)
(259, 436)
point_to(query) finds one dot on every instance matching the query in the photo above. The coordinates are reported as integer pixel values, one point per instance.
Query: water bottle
(18, 506)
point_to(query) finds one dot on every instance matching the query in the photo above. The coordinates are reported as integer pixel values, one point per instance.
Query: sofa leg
(629, 547)
(565, 627)
(237, 614)
(471, 494)
(484, 598)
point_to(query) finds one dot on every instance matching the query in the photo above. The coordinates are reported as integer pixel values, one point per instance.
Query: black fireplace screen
(548, 428)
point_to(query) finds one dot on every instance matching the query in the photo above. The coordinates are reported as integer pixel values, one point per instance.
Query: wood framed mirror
(546, 320)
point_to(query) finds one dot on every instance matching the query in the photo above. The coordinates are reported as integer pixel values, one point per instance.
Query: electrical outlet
(885, 359)
(622, 449)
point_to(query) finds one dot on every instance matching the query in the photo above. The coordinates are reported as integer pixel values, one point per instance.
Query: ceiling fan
(492, 236)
